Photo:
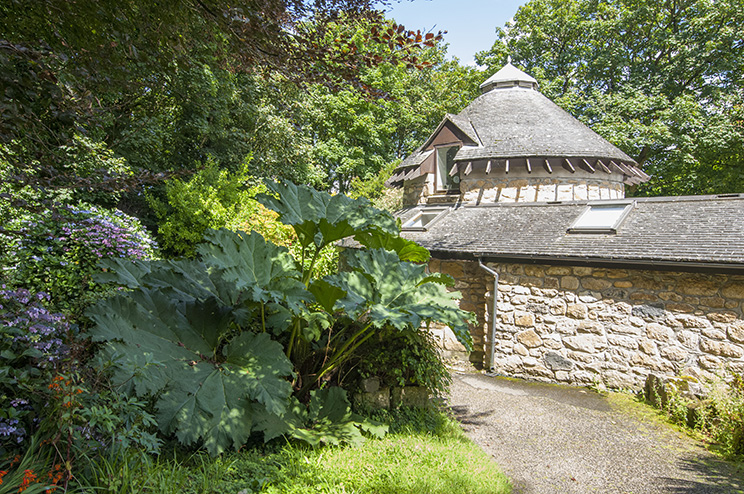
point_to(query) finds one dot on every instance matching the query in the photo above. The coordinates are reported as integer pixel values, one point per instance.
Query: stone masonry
(586, 325)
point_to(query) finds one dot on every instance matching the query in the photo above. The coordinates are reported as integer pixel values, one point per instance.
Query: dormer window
(424, 219)
(446, 181)
(601, 218)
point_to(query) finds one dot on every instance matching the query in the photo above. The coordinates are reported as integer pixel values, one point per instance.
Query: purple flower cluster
(107, 234)
(10, 428)
(25, 323)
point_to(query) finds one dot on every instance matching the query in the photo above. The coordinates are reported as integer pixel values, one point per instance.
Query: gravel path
(559, 439)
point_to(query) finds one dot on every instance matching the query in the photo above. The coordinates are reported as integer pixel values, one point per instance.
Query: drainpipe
(492, 350)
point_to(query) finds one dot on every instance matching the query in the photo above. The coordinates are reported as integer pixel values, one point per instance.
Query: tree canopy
(662, 80)
(165, 84)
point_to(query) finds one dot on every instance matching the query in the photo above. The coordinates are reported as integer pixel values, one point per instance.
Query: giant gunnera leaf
(188, 334)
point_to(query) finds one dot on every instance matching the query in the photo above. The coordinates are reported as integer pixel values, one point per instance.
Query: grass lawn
(439, 460)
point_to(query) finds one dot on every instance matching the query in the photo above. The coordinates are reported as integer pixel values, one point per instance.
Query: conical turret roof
(513, 120)
(509, 76)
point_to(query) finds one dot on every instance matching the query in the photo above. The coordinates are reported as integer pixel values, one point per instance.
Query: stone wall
(584, 325)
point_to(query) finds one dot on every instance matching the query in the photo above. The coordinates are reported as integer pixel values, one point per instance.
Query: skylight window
(424, 219)
(601, 218)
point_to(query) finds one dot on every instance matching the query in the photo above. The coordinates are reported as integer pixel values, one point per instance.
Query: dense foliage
(58, 250)
(662, 80)
(221, 342)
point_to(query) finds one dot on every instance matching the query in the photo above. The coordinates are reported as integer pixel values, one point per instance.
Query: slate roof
(693, 231)
(519, 122)
(512, 119)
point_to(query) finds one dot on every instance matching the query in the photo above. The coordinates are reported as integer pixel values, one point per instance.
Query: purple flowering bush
(58, 252)
(31, 347)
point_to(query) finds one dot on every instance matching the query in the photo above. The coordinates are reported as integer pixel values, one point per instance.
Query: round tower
(512, 144)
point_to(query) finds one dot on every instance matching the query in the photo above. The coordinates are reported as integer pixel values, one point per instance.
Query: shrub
(407, 358)
(60, 249)
(210, 199)
(31, 346)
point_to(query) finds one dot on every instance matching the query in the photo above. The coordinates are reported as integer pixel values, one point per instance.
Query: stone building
(519, 201)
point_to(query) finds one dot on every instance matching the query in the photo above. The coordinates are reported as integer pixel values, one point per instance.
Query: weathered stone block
(596, 284)
(557, 307)
(566, 327)
(371, 384)
(378, 399)
(529, 338)
(736, 332)
(586, 358)
(532, 270)
(577, 311)
(722, 317)
(733, 290)
(569, 283)
(618, 380)
(622, 284)
(688, 339)
(674, 353)
(658, 332)
(721, 348)
(625, 329)
(552, 343)
(521, 290)
(657, 389)
(653, 363)
(689, 321)
(714, 334)
(562, 376)
(672, 296)
(589, 343)
(588, 326)
(537, 308)
(558, 270)
(640, 296)
(557, 362)
(697, 286)
(551, 283)
(452, 268)
(524, 319)
(714, 302)
(521, 350)
(647, 346)
(710, 362)
(683, 308)
(582, 270)
(584, 377)
(648, 312)
(622, 341)
(411, 396)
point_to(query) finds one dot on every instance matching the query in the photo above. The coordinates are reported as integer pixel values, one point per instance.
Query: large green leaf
(320, 218)
(389, 292)
(327, 419)
(265, 271)
(182, 334)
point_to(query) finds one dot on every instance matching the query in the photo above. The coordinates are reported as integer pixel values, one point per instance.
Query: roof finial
(508, 59)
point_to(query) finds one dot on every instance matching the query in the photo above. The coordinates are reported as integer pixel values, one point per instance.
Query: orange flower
(3, 473)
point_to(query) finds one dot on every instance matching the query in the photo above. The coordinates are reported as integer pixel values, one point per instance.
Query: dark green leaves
(327, 420)
(321, 218)
(202, 337)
